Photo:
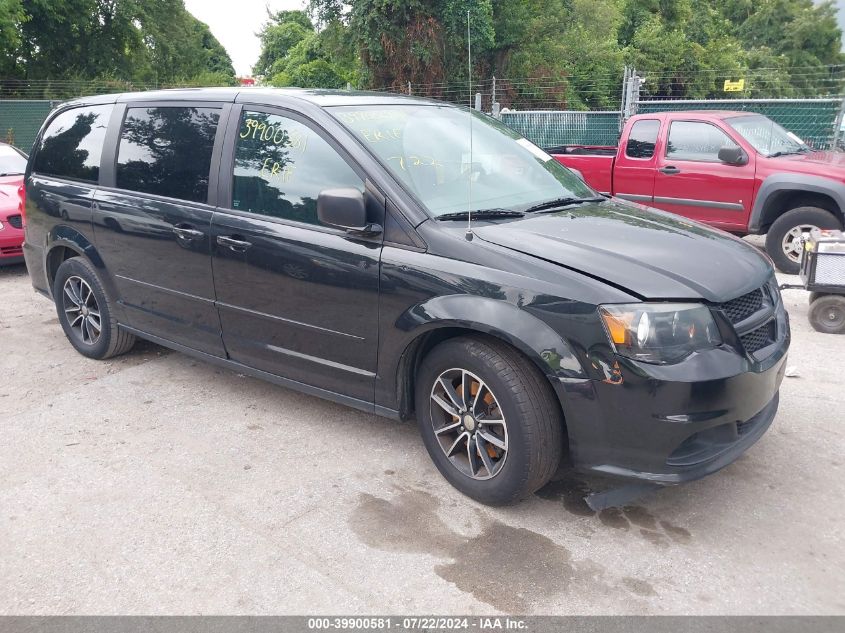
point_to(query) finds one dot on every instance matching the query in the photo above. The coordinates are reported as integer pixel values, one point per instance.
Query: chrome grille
(16, 221)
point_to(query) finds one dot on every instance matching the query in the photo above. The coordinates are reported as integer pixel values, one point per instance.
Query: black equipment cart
(823, 274)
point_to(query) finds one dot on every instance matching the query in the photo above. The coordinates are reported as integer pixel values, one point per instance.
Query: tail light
(22, 204)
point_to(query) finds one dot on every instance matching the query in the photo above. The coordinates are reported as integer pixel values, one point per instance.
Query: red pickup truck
(737, 171)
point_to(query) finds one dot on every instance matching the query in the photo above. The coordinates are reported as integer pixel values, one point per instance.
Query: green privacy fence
(20, 120)
(548, 128)
(814, 120)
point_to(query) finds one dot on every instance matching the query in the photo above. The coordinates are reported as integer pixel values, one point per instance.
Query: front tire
(85, 312)
(784, 239)
(489, 419)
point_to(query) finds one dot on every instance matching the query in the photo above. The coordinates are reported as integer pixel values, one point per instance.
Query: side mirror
(345, 209)
(733, 156)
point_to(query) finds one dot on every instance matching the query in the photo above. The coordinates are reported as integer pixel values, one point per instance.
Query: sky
(840, 17)
(236, 23)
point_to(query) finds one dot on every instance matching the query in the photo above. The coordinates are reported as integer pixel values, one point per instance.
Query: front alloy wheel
(469, 424)
(83, 312)
(489, 418)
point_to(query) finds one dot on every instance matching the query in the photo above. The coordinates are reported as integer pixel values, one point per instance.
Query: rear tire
(827, 314)
(85, 312)
(783, 241)
(506, 436)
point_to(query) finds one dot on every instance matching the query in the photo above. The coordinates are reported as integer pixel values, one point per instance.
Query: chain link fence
(551, 111)
(571, 110)
(813, 120)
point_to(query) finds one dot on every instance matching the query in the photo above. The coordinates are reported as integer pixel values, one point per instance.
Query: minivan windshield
(452, 169)
(767, 137)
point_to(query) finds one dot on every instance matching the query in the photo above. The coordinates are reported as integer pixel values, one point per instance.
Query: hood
(810, 163)
(649, 253)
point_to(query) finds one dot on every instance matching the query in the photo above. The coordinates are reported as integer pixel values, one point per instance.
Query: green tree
(11, 16)
(294, 53)
(283, 31)
(128, 40)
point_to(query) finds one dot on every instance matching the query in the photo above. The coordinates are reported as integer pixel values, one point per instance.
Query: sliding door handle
(232, 243)
(187, 233)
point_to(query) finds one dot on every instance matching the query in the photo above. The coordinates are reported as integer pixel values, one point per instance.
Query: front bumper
(649, 427)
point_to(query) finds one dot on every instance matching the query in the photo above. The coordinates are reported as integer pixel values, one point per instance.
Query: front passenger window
(282, 165)
(696, 141)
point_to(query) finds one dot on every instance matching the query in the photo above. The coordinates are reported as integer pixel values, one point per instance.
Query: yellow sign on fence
(734, 86)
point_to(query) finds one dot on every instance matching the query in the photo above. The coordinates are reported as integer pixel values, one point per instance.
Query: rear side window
(166, 151)
(72, 144)
(693, 140)
(642, 139)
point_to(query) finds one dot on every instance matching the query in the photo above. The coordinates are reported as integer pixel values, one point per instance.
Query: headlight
(659, 332)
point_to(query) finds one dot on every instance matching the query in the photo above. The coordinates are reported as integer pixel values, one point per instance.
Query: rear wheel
(85, 312)
(827, 314)
(489, 419)
(785, 239)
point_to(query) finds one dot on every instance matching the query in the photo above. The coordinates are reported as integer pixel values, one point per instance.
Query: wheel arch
(781, 192)
(63, 243)
(450, 317)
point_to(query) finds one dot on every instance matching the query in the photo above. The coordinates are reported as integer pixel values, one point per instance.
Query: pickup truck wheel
(85, 312)
(785, 238)
(489, 419)
(827, 314)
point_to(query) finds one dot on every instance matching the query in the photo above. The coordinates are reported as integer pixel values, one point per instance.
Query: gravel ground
(156, 484)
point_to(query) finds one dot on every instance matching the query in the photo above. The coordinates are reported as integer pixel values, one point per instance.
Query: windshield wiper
(12, 173)
(481, 214)
(800, 150)
(561, 202)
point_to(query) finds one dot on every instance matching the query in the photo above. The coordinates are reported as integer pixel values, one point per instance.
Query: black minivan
(411, 259)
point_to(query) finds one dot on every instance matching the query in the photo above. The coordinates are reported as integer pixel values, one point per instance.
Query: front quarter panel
(777, 183)
(423, 292)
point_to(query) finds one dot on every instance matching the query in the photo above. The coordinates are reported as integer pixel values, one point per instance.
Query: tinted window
(12, 162)
(282, 165)
(72, 144)
(689, 140)
(642, 138)
(167, 151)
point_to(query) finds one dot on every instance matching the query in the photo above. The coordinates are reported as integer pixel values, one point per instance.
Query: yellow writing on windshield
(377, 136)
(414, 160)
(359, 116)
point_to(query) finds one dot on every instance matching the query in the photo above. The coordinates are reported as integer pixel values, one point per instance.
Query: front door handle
(187, 233)
(669, 170)
(239, 246)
